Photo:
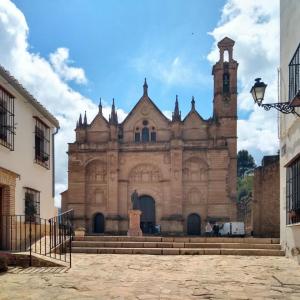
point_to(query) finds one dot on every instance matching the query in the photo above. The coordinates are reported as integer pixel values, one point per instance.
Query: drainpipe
(53, 162)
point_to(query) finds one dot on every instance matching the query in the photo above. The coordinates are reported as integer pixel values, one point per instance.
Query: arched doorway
(98, 223)
(147, 206)
(194, 224)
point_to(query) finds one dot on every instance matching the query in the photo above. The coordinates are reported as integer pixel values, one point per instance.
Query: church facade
(183, 170)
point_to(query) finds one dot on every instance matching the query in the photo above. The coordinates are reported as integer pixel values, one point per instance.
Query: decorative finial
(85, 119)
(145, 86)
(176, 114)
(113, 118)
(80, 121)
(193, 103)
(100, 107)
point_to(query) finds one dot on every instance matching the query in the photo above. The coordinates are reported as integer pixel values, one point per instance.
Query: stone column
(175, 209)
(112, 218)
(134, 223)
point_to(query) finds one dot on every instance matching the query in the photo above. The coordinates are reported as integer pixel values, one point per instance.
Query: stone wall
(266, 198)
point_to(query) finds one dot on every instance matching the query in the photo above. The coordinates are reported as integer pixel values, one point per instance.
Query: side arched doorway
(147, 206)
(98, 223)
(194, 224)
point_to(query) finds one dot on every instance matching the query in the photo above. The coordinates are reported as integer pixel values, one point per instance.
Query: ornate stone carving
(194, 170)
(145, 173)
(96, 171)
(195, 196)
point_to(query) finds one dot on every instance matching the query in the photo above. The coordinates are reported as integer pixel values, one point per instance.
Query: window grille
(293, 192)
(6, 119)
(42, 143)
(32, 205)
(294, 75)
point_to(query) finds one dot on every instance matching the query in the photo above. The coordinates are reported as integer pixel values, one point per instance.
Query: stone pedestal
(134, 223)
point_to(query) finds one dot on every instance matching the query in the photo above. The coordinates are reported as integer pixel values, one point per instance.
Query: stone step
(104, 244)
(247, 240)
(179, 251)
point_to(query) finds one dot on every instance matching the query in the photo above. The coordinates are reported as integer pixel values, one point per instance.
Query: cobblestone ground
(157, 277)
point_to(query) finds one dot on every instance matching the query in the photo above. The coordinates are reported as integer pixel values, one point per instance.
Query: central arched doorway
(147, 206)
(98, 223)
(194, 224)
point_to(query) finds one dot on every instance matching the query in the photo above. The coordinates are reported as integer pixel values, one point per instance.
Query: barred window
(294, 75)
(42, 143)
(293, 191)
(32, 205)
(6, 119)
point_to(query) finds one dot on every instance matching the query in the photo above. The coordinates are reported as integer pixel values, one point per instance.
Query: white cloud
(44, 80)
(255, 28)
(60, 60)
(175, 71)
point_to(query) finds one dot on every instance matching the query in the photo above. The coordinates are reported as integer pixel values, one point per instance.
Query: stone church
(184, 169)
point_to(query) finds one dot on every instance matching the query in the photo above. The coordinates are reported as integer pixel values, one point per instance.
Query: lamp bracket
(284, 107)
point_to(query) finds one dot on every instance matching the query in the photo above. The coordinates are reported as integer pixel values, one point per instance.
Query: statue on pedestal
(135, 200)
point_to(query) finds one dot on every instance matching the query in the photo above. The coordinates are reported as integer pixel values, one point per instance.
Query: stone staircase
(177, 245)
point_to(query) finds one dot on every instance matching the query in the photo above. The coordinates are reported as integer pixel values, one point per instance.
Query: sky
(68, 54)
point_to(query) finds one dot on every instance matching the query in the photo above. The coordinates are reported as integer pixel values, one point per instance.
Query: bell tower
(225, 81)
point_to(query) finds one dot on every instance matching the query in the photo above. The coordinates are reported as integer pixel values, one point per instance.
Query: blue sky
(109, 39)
(70, 53)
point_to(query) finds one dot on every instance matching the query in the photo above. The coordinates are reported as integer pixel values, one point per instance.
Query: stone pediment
(99, 124)
(193, 119)
(145, 109)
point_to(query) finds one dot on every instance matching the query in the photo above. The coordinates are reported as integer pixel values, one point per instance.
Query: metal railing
(47, 237)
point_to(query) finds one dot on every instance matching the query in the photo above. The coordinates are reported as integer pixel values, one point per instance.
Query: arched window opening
(153, 136)
(226, 56)
(137, 137)
(226, 83)
(145, 134)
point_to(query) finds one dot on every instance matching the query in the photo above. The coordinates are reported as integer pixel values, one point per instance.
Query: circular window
(145, 122)
(137, 129)
(153, 128)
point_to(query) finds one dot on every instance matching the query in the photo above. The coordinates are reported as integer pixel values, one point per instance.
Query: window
(293, 192)
(226, 83)
(145, 134)
(294, 75)
(32, 205)
(6, 119)
(137, 137)
(42, 143)
(153, 136)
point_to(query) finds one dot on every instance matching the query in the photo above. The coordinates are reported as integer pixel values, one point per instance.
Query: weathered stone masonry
(186, 166)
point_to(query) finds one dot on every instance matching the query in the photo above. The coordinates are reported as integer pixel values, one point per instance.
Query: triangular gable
(99, 123)
(144, 99)
(196, 115)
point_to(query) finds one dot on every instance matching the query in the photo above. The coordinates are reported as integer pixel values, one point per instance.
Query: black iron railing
(47, 237)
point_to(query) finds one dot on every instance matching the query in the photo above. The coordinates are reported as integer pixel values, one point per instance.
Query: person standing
(208, 229)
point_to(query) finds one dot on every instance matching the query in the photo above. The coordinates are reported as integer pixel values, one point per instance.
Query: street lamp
(258, 93)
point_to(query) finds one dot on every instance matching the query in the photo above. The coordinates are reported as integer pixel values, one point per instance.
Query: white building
(27, 132)
(290, 128)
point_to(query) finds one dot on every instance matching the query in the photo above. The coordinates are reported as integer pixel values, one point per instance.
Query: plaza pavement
(157, 277)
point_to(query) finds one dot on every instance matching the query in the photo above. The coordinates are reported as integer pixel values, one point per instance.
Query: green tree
(245, 162)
